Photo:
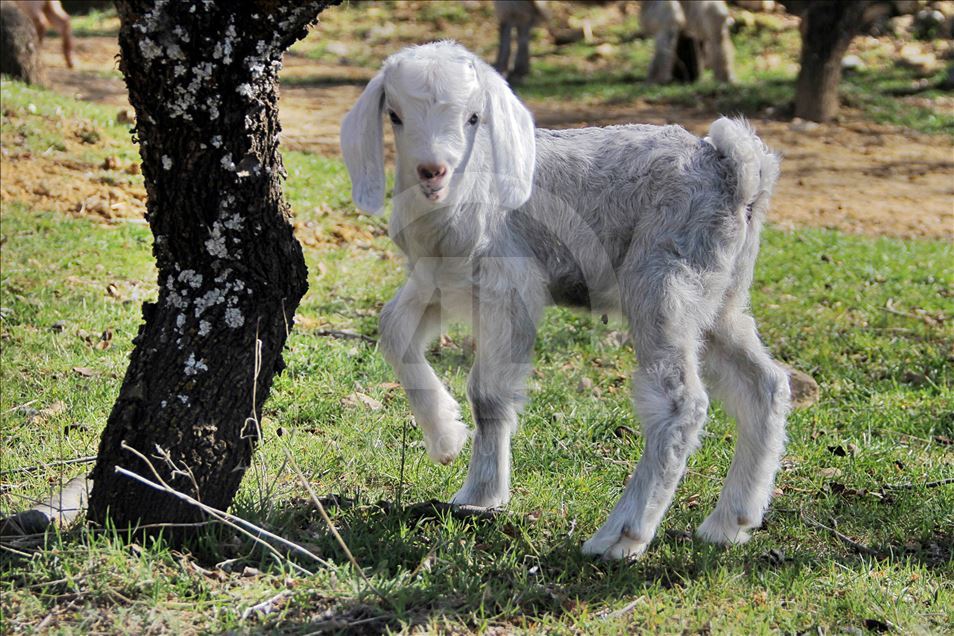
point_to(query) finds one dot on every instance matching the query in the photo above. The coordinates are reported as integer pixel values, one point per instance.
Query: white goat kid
(498, 219)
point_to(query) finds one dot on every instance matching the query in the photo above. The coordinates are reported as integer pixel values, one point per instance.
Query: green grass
(870, 319)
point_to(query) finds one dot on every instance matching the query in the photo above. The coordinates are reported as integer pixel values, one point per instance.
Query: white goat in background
(498, 219)
(704, 22)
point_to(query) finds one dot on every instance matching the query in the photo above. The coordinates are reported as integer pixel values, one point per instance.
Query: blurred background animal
(689, 37)
(47, 14)
(519, 16)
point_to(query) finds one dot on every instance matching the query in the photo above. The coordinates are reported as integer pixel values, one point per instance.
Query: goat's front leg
(506, 330)
(408, 323)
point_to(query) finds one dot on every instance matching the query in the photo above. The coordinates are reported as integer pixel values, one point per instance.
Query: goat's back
(602, 193)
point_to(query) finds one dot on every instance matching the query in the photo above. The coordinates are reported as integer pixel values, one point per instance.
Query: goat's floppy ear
(362, 144)
(514, 144)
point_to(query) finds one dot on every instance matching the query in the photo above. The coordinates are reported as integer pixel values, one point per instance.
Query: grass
(869, 318)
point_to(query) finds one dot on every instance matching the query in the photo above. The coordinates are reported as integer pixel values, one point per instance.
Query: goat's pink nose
(429, 171)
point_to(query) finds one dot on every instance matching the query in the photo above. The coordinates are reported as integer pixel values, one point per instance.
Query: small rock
(338, 48)
(805, 390)
(585, 385)
(802, 126)
(852, 63)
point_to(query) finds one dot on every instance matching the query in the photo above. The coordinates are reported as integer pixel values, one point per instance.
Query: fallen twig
(626, 609)
(331, 526)
(267, 606)
(337, 333)
(60, 462)
(434, 507)
(859, 547)
(228, 519)
(930, 484)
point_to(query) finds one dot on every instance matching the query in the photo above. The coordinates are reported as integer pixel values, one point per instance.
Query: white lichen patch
(191, 278)
(204, 327)
(233, 222)
(166, 163)
(216, 243)
(210, 298)
(227, 162)
(234, 318)
(195, 367)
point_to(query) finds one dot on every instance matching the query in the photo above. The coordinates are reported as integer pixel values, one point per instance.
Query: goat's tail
(756, 167)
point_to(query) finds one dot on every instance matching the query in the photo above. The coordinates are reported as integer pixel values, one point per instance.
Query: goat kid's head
(446, 108)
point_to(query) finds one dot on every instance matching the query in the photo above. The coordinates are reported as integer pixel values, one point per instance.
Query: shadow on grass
(748, 98)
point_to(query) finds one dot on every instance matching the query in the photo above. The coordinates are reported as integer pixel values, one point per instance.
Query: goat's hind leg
(755, 391)
(407, 325)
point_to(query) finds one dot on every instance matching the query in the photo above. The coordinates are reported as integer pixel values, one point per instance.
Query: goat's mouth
(434, 193)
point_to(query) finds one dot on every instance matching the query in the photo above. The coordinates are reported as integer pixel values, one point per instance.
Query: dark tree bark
(828, 27)
(19, 46)
(203, 79)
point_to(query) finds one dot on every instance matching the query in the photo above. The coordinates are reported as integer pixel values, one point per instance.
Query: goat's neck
(455, 230)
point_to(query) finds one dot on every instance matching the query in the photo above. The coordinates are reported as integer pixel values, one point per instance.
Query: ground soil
(854, 176)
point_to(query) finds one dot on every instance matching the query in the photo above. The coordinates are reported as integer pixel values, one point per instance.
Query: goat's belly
(569, 289)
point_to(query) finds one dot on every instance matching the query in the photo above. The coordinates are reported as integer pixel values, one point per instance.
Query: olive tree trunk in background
(828, 27)
(203, 79)
(19, 46)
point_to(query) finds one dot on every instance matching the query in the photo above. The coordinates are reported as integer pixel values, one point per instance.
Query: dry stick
(336, 333)
(267, 606)
(860, 547)
(331, 526)
(61, 462)
(224, 517)
(930, 484)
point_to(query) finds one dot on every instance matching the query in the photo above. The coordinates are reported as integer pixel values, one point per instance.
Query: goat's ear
(514, 144)
(362, 144)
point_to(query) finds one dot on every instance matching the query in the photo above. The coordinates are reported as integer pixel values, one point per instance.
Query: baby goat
(499, 219)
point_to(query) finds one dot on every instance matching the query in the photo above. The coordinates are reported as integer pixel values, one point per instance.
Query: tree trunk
(19, 46)
(203, 79)
(828, 27)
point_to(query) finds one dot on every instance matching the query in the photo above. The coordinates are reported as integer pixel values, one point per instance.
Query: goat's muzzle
(432, 177)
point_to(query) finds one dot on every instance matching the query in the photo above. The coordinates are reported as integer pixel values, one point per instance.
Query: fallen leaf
(830, 473)
(367, 400)
(86, 372)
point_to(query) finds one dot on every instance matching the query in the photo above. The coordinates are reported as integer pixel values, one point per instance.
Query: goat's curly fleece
(651, 222)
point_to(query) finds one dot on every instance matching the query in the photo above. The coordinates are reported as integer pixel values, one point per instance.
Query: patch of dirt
(55, 180)
(854, 176)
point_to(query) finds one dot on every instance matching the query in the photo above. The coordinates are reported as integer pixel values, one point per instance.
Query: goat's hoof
(614, 549)
(445, 446)
(479, 498)
(614, 542)
(724, 529)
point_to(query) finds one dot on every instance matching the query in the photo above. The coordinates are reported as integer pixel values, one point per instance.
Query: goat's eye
(394, 118)
(473, 119)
